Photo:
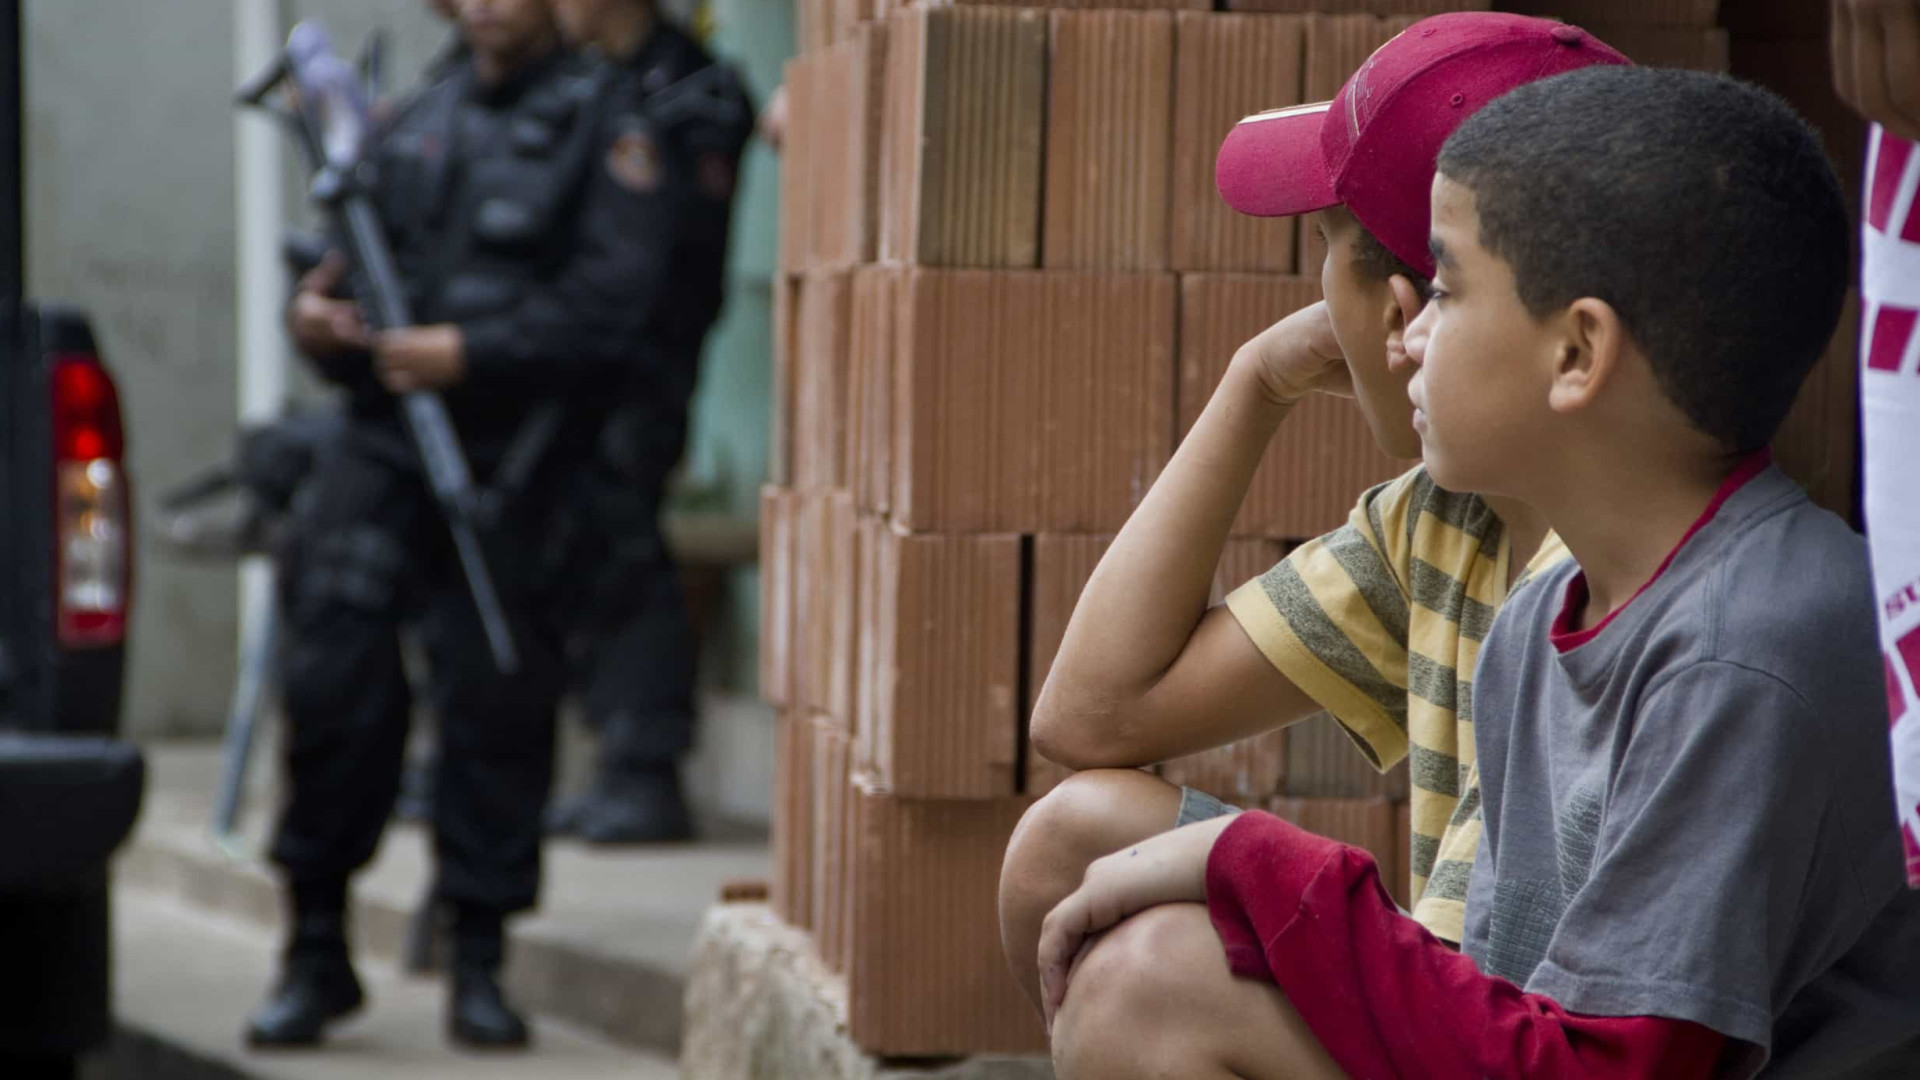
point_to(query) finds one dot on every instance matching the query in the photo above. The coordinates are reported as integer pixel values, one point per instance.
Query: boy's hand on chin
(1298, 356)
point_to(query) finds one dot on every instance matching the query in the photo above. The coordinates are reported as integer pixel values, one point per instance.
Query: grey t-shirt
(1689, 814)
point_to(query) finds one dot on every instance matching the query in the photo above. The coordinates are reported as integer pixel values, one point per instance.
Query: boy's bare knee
(1126, 1005)
(1087, 815)
(1157, 954)
(1154, 998)
(1093, 813)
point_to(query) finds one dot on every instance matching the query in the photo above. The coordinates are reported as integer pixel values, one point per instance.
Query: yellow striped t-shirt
(1380, 621)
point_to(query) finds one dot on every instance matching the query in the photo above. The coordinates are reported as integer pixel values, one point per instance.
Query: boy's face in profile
(1483, 364)
(1359, 304)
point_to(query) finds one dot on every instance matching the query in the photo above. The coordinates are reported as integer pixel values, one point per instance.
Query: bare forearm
(1143, 602)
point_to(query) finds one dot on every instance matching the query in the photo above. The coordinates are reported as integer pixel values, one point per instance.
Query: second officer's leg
(639, 693)
(637, 655)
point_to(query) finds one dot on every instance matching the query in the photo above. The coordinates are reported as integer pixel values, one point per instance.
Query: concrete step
(608, 952)
(185, 979)
(763, 1005)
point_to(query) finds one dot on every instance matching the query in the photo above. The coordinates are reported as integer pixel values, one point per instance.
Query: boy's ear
(1588, 354)
(1403, 306)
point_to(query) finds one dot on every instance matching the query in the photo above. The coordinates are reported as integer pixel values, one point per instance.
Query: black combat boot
(478, 1015)
(317, 984)
(636, 800)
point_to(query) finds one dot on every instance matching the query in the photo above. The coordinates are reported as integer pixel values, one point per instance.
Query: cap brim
(1271, 164)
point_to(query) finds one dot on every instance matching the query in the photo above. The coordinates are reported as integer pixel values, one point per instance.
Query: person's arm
(1146, 671)
(325, 323)
(1310, 915)
(587, 323)
(1876, 61)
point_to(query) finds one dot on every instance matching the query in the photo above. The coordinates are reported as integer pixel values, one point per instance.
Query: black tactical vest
(478, 188)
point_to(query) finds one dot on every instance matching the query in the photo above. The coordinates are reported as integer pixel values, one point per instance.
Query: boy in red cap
(1378, 622)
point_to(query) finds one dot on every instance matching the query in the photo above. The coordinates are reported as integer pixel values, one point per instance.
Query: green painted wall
(728, 449)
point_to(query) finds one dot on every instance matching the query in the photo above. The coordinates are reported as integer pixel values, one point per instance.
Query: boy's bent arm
(1146, 671)
(1310, 915)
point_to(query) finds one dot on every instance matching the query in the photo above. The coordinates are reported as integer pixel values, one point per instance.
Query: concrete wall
(130, 212)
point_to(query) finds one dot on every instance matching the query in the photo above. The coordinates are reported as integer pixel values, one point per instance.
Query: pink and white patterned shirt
(1890, 413)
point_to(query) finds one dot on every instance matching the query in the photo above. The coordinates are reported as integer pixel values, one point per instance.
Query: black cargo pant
(633, 649)
(368, 552)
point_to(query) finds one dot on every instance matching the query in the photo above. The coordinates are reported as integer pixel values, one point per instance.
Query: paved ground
(608, 953)
(186, 978)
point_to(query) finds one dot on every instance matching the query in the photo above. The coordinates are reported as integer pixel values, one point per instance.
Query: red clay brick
(815, 24)
(780, 437)
(1030, 402)
(821, 376)
(870, 455)
(796, 178)
(1323, 762)
(814, 603)
(960, 166)
(1088, 5)
(843, 569)
(777, 585)
(1244, 559)
(1401, 885)
(831, 779)
(1246, 773)
(793, 820)
(1369, 824)
(1228, 67)
(844, 188)
(1667, 46)
(1109, 137)
(1642, 12)
(1417, 9)
(1818, 445)
(929, 978)
(850, 16)
(940, 719)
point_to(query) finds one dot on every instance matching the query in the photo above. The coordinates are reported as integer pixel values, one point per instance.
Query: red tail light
(93, 549)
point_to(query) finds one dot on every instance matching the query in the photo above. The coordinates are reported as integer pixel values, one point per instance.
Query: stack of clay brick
(1007, 288)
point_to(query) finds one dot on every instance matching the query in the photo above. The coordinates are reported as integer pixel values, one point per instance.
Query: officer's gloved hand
(323, 326)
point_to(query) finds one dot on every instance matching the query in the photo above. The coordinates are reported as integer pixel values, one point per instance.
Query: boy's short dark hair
(1702, 208)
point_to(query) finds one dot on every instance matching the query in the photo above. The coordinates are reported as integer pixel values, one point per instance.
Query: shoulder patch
(634, 161)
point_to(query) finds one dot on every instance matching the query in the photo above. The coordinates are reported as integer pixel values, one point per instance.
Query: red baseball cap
(1373, 147)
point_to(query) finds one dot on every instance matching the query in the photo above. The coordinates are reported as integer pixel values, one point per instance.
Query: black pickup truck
(69, 790)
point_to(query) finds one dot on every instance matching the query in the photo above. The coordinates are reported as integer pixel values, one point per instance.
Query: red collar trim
(1565, 638)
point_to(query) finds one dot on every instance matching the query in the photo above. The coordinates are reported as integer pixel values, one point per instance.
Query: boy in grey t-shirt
(1711, 763)
(1689, 866)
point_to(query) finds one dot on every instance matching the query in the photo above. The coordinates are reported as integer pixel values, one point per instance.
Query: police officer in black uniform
(505, 224)
(682, 121)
